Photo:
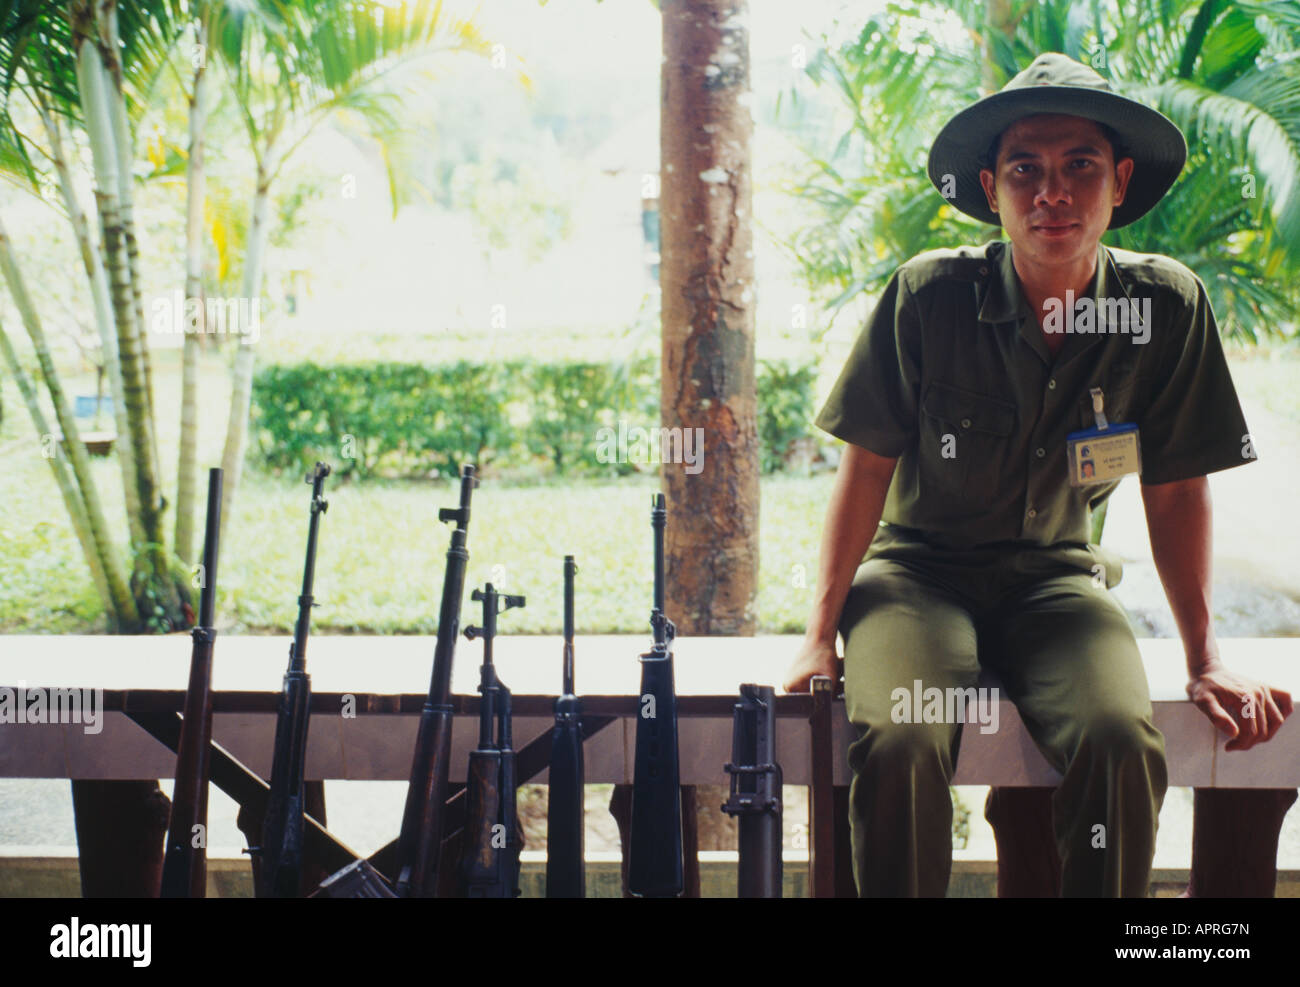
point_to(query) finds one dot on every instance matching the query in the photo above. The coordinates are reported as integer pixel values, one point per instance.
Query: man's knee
(1119, 735)
(902, 748)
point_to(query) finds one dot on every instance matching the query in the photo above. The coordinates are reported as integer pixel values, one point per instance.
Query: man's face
(1054, 186)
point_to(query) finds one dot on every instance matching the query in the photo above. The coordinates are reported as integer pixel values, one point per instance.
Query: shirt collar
(1005, 302)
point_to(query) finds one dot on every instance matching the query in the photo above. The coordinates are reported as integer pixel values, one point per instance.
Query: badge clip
(1097, 412)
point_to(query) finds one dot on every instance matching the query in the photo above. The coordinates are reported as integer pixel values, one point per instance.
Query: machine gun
(566, 874)
(490, 865)
(282, 828)
(419, 846)
(185, 864)
(655, 843)
(756, 792)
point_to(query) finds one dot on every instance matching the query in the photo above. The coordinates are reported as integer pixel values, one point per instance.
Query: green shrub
(568, 403)
(785, 409)
(387, 418)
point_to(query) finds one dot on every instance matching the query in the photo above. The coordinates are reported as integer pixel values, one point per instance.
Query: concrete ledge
(58, 877)
(386, 674)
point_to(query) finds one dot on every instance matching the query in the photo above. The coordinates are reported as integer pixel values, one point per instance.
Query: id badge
(1101, 456)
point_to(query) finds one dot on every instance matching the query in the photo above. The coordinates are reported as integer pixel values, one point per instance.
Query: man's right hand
(814, 658)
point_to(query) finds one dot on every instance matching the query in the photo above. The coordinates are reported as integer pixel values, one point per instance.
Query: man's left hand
(1249, 712)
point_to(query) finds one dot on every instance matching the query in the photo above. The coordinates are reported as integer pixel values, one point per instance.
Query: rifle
(185, 865)
(419, 846)
(756, 792)
(490, 865)
(282, 828)
(655, 845)
(566, 874)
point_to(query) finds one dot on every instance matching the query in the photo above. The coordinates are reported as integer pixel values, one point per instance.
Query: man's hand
(852, 519)
(1249, 712)
(815, 657)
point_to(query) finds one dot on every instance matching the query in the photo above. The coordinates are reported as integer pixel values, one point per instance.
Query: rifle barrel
(281, 852)
(185, 861)
(570, 570)
(298, 657)
(419, 845)
(658, 521)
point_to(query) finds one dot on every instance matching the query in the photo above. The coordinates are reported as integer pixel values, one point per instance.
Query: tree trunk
(707, 275)
(94, 266)
(103, 143)
(124, 608)
(67, 485)
(124, 145)
(188, 456)
(157, 592)
(241, 389)
(121, 825)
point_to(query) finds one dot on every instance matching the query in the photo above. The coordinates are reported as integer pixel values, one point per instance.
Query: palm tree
(89, 69)
(69, 64)
(92, 68)
(1224, 70)
(290, 67)
(195, 195)
(84, 71)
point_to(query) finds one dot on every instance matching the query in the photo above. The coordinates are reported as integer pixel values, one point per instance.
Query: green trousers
(920, 617)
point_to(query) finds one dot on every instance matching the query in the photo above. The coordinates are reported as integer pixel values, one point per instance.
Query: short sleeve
(1193, 424)
(873, 403)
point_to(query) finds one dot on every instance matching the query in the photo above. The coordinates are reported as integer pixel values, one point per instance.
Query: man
(967, 399)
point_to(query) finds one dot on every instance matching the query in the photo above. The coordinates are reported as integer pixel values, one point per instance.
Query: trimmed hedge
(414, 419)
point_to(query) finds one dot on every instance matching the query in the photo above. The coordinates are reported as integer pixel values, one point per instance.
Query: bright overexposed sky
(623, 37)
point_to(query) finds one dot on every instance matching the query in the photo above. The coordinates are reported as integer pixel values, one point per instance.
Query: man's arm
(852, 517)
(1179, 521)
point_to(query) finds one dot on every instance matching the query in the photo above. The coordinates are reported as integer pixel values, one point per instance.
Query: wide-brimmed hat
(1054, 83)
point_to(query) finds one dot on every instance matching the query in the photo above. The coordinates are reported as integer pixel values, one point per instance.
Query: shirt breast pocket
(965, 437)
(1122, 398)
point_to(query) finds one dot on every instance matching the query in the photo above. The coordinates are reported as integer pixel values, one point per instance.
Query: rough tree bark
(707, 278)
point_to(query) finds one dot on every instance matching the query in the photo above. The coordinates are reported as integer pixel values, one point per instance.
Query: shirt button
(1032, 512)
(965, 423)
(1051, 384)
(1039, 452)
(984, 270)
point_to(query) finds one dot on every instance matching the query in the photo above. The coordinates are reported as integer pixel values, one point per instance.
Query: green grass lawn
(382, 549)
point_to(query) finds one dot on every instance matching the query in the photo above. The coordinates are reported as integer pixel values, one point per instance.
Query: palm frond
(1257, 120)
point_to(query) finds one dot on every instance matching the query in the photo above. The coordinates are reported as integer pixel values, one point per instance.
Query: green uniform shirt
(953, 362)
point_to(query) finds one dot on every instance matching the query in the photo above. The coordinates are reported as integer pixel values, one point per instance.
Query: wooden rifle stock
(185, 864)
(490, 865)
